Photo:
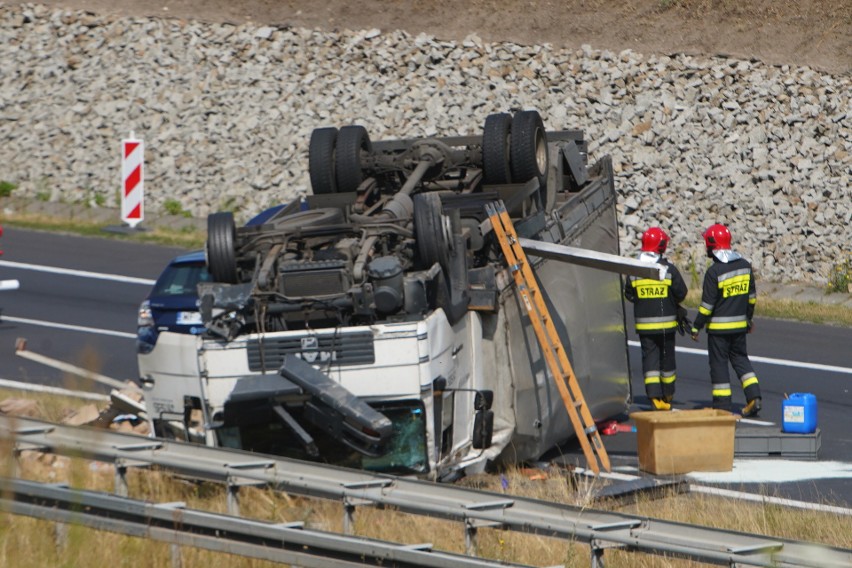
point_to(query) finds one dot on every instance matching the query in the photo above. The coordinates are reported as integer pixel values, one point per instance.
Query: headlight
(145, 318)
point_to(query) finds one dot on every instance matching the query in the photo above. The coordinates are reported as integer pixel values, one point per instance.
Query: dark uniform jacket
(655, 302)
(728, 298)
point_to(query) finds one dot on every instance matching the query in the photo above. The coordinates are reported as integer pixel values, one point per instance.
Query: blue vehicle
(172, 304)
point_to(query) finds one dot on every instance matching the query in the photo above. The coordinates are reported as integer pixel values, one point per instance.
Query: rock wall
(226, 113)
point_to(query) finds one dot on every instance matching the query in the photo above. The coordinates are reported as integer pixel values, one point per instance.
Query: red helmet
(717, 237)
(655, 240)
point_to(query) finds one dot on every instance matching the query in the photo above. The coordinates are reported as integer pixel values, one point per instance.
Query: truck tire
(351, 141)
(529, 148)
(432, 243)
(495, 149)
(321, 160)
(221, 255)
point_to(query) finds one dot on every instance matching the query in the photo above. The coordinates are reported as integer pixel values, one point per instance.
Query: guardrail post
(60, 536)
(233, 499)
(470, 530)
(121, 480)
(16, 462)
(597, 555)
(176, 557)
(348, 516)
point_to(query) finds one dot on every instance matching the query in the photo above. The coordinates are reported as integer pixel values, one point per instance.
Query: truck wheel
(351, 141)
(495, 149)
(529, 148)
(321, 160)
(310, 218)
(430, 231)
(221, 256)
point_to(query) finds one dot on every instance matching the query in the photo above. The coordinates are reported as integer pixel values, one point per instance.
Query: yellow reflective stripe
(664, 325)
(728, 325)
(752, 301)
(669, 380)
(734, 280)
(652, 380)
(704, 311)
(650, 282)
(721, 392)
(749, 382)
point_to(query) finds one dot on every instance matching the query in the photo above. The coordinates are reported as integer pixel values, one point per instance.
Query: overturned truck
(375, 325)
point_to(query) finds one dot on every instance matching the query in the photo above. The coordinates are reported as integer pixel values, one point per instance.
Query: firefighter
(657, 313)
(727, 308)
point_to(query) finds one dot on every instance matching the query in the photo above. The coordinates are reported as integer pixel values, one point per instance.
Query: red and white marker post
(132, 180)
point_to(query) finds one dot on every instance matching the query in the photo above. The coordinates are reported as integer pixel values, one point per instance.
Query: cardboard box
(684, 441)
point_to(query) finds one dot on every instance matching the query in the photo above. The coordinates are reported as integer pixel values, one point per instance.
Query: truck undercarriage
(373, 324)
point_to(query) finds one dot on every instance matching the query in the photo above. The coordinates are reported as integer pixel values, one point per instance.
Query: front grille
(315, 278)
(341, 349)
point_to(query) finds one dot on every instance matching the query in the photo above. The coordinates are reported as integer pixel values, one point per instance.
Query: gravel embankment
(226, 113)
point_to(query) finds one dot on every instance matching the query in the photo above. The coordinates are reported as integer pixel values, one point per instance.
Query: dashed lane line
(81, 273)
(69, 327)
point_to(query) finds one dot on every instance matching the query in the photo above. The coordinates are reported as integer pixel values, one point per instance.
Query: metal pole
(233, 499)
(176, 557)
(121, 480)
(470, 531)
(348, 517)
(597, 556)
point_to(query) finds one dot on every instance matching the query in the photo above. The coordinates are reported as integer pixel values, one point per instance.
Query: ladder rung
(548, 339)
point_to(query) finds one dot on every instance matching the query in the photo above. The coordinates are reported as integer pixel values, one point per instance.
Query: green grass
(174, 207)
(187, 238)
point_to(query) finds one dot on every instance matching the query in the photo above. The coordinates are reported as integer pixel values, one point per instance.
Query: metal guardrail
(288, 543)
(600, 529)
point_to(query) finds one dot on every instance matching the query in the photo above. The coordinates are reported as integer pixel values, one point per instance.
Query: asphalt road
(47, 302)
(88, 319)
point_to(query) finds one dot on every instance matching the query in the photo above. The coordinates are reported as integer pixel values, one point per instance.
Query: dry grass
(26, 542)
(812, 312)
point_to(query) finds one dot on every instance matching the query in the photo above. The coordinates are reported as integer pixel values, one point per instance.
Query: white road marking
(70, 327)
(769, 360)
(776, 471)
(82, 273)
(29, 387)
(728, 493)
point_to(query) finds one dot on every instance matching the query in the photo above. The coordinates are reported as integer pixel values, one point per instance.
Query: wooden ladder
(548, 339)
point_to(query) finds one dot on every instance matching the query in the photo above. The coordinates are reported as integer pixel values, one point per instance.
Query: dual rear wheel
(514, 150)
(335, 162)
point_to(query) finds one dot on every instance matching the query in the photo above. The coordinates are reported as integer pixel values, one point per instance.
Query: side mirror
(439, 385)
(484, 399)
(483, 429)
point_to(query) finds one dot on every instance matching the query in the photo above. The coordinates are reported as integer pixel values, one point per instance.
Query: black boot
(752, 408)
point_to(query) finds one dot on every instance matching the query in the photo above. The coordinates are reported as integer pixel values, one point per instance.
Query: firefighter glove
(750, 326)
(683, 321)
(694, 333)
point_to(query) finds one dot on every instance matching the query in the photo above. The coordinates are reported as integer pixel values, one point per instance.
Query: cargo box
(684, 441)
